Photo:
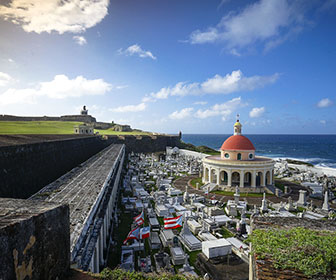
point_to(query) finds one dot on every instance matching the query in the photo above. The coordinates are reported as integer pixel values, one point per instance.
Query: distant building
(237, 165)
(84, 111)
(83, 129)
(120, 127)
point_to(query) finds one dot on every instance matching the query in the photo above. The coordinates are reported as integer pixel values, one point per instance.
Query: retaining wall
(25, 169)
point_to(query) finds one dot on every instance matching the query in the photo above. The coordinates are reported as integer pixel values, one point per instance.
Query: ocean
(319, 150)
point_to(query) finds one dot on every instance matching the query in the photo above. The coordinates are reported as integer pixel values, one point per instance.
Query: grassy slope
(111, 132)
(35, 127)
(52, 127)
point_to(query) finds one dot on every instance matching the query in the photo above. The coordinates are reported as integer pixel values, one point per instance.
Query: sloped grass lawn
(37, 127)
(311, 252)
(112, 132)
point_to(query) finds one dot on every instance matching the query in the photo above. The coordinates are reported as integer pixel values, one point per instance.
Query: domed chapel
(238, 165)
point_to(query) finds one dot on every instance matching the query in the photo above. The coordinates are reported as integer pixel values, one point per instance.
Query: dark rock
(34, 240)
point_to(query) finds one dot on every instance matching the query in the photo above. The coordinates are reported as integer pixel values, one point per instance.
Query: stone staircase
(211, 187)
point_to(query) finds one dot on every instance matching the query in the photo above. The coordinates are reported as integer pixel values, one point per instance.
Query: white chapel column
(241, 179)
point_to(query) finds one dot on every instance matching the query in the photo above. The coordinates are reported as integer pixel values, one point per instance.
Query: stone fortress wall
(25, 169)
(68, 118)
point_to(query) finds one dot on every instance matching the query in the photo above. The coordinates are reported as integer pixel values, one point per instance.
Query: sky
(173, 65)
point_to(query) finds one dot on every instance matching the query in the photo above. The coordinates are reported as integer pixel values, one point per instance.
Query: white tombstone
(236, 196)
(232, 210)
(255, 209)
(290, 206)
(186, 195)
(325, 205)
(264, 207)
(282, 206)
(197, 186)
(286, 189)
(302, 198)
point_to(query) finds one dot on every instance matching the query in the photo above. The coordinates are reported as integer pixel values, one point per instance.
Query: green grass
(192, 260)
(123, 230)
(226, 233)
(311, 252)
(196, 180)
(53, 127)
(280, 185)
(241, 194)
(161, 221)
(36, 127)
(112, 132)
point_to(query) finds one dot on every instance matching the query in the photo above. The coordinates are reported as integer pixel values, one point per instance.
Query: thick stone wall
(68, 118)
(146, 143)
(25, 169)
(34, 240)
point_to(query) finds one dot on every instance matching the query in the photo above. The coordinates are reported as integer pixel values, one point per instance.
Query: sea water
(319, 150)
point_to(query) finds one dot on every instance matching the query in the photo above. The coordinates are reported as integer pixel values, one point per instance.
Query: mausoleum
(238, 165)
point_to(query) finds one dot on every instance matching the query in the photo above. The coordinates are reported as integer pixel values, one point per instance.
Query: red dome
(237, 142)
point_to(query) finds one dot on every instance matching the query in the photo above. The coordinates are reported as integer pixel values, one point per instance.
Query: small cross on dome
(237, 117)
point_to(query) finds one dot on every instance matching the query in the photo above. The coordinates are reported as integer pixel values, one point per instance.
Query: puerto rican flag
(133, 234)
(139, 219)
(144, 232)
(171, 223)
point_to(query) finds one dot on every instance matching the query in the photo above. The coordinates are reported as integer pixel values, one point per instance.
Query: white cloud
(257, 112)
(179, 115)
(130, 108)
(60, 87)
(11, 60)
(234, 52)
(325, 102)
(121, 86)
(54, 15)
(80, 40)
(235, 82)
(323, 122)
(230, 83)
(262, 21)
(147, 98)
(161, 94)
(137, 50)
(222, 3)
(224, 109)
(200, 103)
(5, 79)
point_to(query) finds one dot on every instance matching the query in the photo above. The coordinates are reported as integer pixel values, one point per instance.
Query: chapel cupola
(237, 127)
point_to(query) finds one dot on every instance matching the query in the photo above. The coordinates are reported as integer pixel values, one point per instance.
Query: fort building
(83, 129)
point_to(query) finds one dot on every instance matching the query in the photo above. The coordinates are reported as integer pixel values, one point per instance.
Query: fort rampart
(26, 168)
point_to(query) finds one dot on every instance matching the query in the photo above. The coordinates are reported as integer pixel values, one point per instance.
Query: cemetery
(189, 230)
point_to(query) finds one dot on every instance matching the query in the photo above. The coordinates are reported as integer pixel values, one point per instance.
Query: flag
(171, 220)
(133, 234)
(176, 223)
(144, 232)
(139, 219)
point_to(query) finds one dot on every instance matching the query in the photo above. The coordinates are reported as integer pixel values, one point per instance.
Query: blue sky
(172, 65)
